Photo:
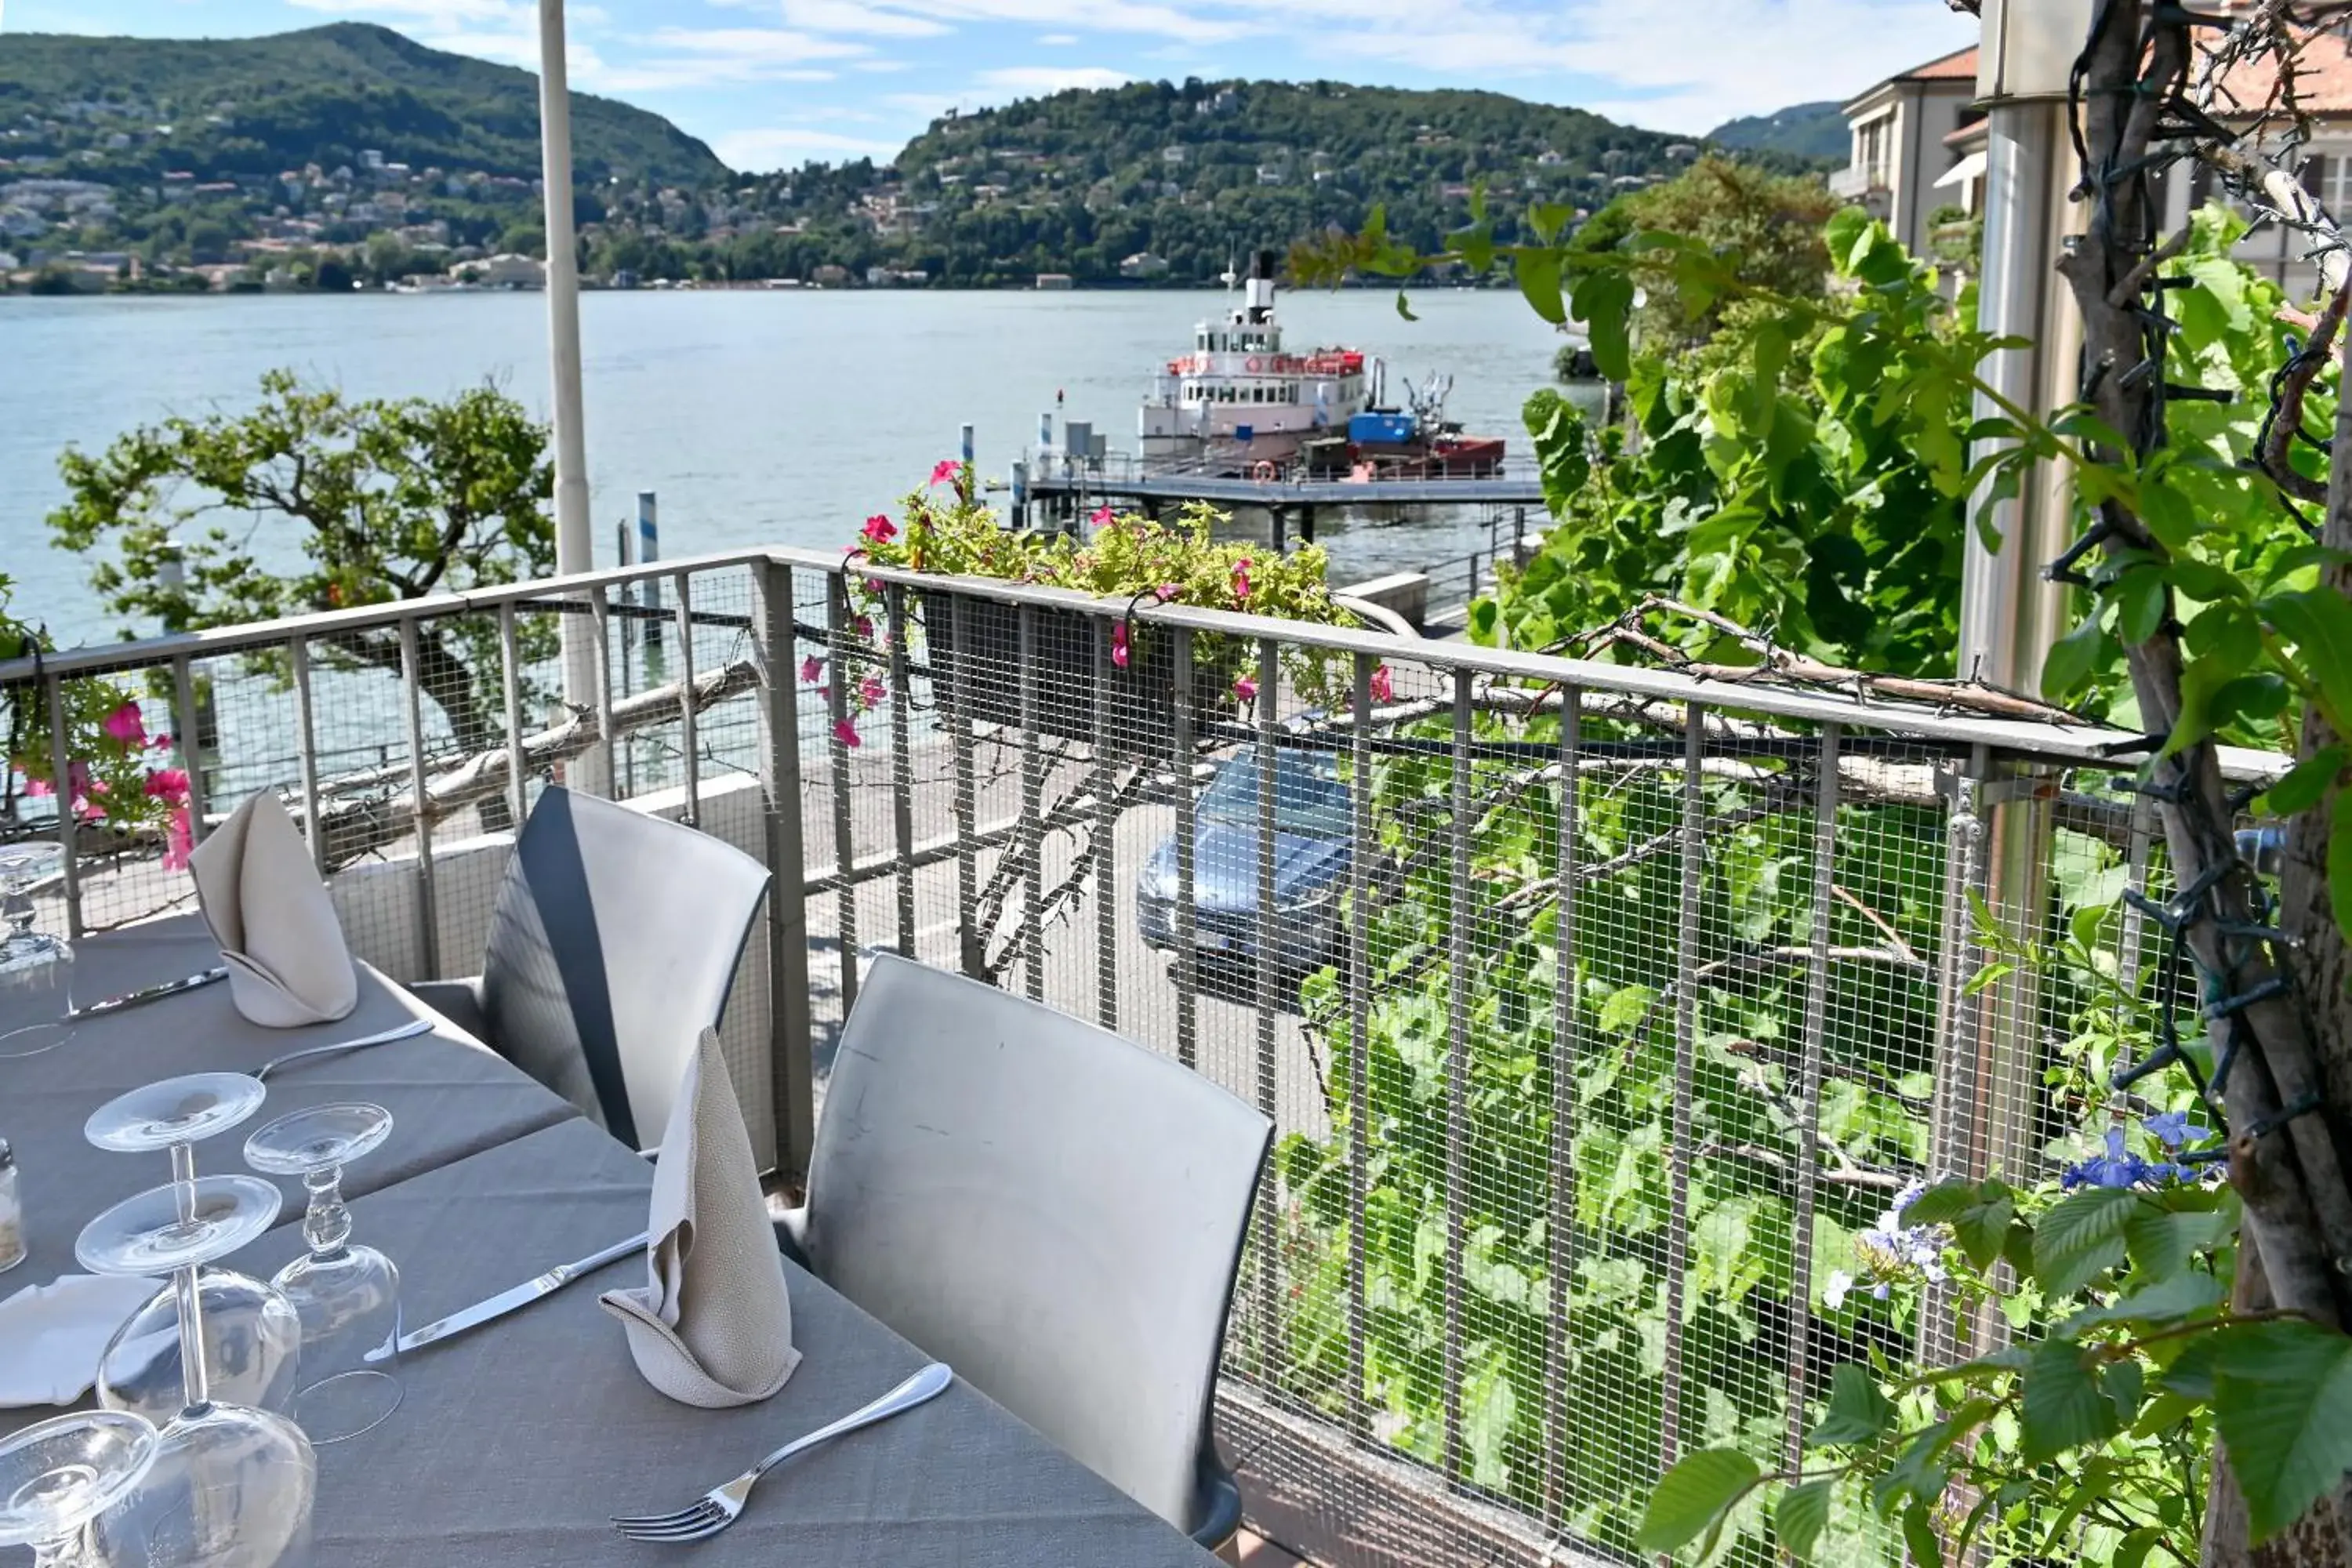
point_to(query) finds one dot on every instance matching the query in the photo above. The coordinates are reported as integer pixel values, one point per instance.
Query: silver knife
(506, 1302)
(148, 993)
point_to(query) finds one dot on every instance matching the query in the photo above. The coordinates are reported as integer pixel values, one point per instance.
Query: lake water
(774, 417)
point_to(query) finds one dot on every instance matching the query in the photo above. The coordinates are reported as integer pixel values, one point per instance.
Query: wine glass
(231, 1485)
(252, 1336)
(58, 1476)
(36, 967)
(348, 1297)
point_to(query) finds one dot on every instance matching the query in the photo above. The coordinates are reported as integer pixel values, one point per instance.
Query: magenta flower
(1119, 644)
(168, 783)
(1245, 688)
(1165, 592)
(812, 670)
(1382, 691)
(871, 691)
(846, 733)
(946, 469)
(864, 625)
(179, 842)
(1102, 517)
(1241, 579)
(125, 725)
(878, 529)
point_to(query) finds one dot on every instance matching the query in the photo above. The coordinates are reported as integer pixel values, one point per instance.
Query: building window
(2334, 174)
(1873, 146)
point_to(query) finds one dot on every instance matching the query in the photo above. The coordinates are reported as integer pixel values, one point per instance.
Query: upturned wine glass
(231, 1485)
(58, 1476)
(348, 1296)
(252, 1334)
(36, 967)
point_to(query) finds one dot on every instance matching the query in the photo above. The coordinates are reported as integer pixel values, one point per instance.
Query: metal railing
(1598, 1009)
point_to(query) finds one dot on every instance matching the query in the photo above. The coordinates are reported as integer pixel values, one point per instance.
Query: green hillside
(351, 154)
(1813, 130)
(240, 107)
(1186, 177)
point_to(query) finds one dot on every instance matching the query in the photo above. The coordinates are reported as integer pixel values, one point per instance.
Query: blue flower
(2118, 1167)
(2171, 1129)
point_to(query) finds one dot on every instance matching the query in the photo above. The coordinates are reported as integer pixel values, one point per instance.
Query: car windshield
(1309, 801)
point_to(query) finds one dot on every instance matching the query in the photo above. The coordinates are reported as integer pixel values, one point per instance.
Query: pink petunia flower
(1119, 644)
(871, 691)
(846, 733)
(1245, 688)
(168, 783)
(812, 670)
(946, 469)
(1241, 579)
(1102, 517)
(863, 626)
(179, 842)
(125, 725)
(878, 529)
(1165, 592)
(1380, 688)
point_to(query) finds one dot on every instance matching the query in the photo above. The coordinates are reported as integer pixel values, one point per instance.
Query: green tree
(1771, 222)
(336, 503)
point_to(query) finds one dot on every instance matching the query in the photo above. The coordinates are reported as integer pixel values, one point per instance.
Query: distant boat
(1240, 394)
(1240, 403)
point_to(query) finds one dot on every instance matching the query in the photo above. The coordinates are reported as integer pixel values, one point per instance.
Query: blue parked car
(1312, 822)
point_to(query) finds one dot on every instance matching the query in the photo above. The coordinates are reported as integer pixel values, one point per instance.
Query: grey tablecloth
(448, 1095)
(517, 1440)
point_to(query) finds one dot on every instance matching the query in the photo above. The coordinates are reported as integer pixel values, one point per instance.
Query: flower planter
(974, 652)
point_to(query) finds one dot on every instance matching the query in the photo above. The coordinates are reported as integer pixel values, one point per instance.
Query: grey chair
(613, 946)
(1055, 1212)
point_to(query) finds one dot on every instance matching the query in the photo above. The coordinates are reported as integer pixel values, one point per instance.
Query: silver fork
(720, 1507)
(413, 1027)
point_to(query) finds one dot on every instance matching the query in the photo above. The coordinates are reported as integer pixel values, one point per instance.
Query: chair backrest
(1055, 1212)
(613, 947)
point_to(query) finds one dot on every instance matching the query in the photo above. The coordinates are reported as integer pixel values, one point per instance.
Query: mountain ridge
(353, 142)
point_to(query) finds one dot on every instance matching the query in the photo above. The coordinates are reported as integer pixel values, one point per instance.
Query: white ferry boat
(1240, 397)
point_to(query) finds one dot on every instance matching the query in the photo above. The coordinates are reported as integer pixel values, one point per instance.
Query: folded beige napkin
(714, 1325)
(287, 963)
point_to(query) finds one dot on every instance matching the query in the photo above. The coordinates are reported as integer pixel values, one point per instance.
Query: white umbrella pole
(574, 550)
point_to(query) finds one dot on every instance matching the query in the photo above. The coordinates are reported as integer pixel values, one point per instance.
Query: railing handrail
(2086, 744)
(97, 658)
(2092, 745)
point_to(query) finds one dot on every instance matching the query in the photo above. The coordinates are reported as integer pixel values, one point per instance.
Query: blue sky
(770, 83)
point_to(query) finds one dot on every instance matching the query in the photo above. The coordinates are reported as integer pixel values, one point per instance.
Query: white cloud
(790, 147)
(1726, 57)
(676, 57)
(858, 16)
(1036, 82)
(1057, 40)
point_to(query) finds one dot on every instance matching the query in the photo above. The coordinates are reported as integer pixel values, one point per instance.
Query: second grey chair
(1054, 1211)
(613, 946)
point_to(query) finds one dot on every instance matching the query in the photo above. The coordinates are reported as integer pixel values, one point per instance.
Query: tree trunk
(2290, 1171)
(447, 682)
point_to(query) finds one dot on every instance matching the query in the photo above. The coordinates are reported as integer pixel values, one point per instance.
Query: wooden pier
(1054, 492)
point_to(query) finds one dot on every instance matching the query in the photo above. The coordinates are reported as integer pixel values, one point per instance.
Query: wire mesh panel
(1602, 1031)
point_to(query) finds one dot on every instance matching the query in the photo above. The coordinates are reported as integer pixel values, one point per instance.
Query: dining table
(515, 1441)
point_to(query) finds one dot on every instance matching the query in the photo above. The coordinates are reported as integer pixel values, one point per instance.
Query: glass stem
(60, 1553)
(327, 1224)
(196, 1384)
(184, 1177)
